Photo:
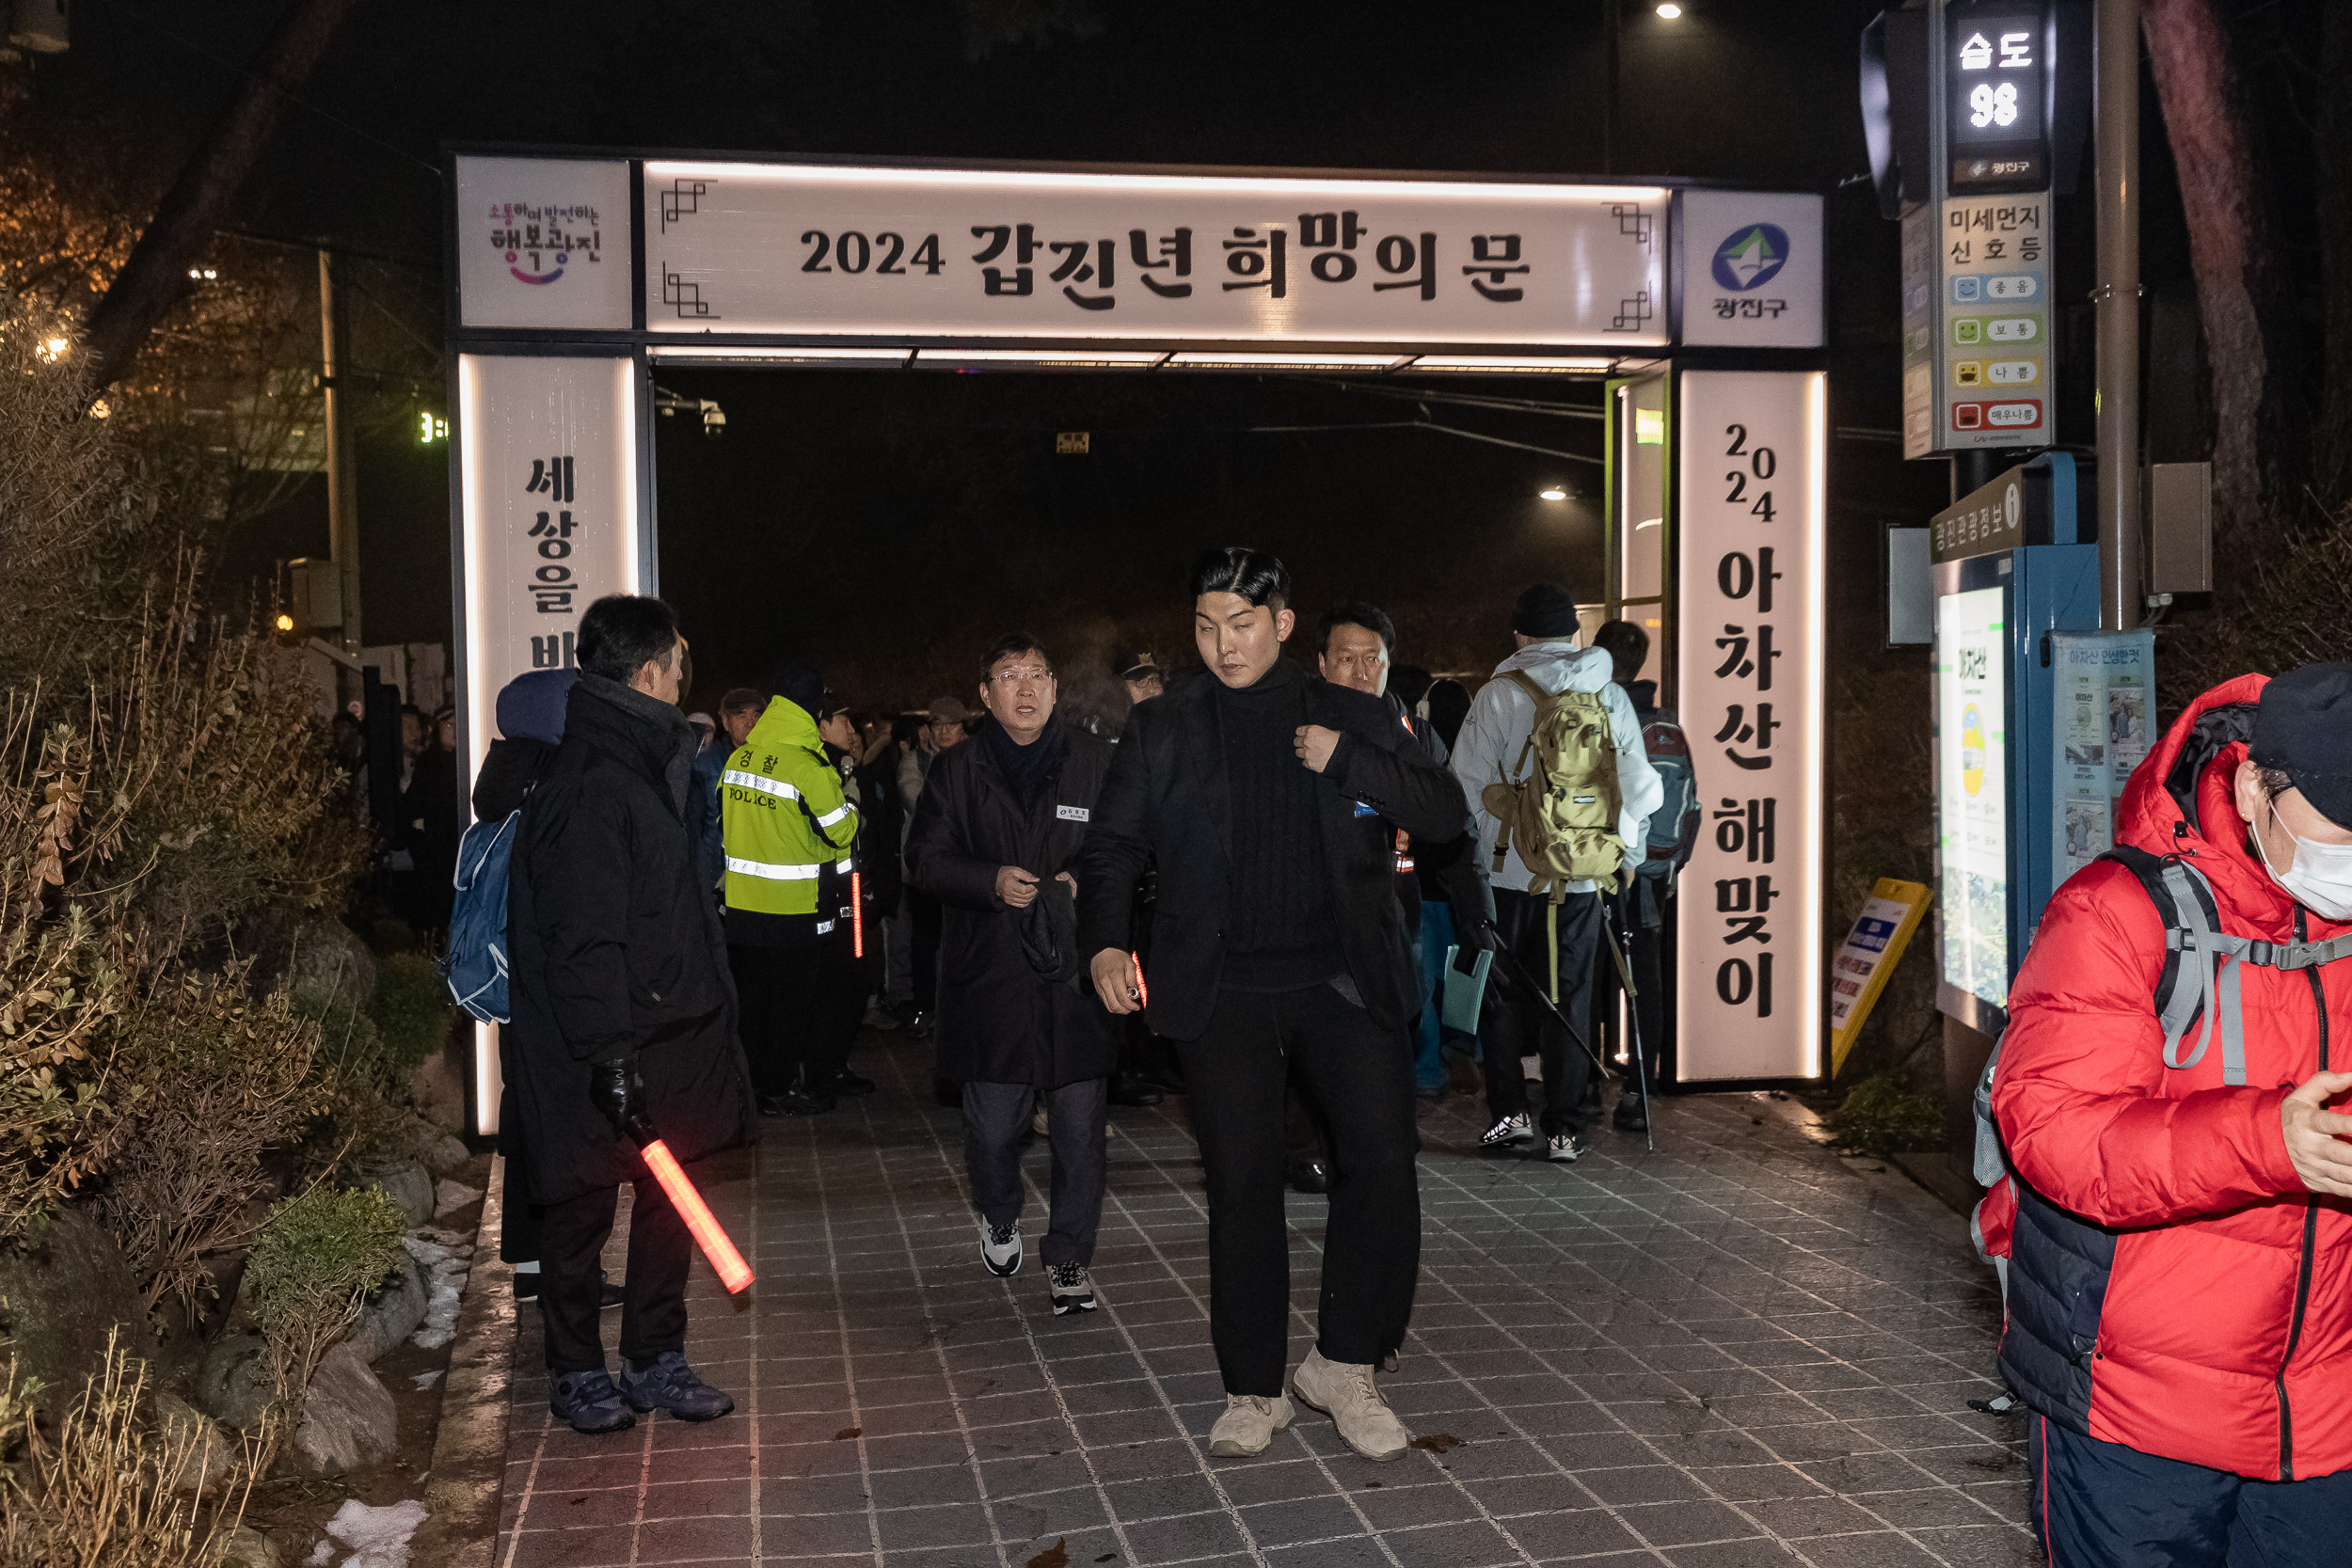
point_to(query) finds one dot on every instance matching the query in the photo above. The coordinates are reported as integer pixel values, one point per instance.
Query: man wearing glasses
(995, 840)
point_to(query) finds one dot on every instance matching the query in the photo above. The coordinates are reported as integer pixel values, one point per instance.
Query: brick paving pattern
(1737, 1350)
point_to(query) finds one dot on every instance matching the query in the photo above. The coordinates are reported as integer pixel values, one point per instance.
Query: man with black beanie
(1551, 928)
(1278, 948)
(2170, 1104)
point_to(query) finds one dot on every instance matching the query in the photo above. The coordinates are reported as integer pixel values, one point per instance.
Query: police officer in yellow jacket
(789, 832)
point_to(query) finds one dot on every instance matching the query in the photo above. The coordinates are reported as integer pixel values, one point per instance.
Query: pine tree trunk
(2262, 419)
(156, 276)
(2333, 451)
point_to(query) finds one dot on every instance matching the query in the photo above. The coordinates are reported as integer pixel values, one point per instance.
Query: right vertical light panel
(1751, 511)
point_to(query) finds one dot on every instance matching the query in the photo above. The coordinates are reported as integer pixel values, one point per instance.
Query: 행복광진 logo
(1751, 256)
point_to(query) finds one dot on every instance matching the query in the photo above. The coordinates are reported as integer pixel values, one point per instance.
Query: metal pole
(1611, 26)
(2115, 63)
(342, 467)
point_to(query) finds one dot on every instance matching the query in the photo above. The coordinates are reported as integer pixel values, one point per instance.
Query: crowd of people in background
(1283, 884)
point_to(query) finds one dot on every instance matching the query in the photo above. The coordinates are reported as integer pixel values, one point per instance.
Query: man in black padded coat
(1278, 947)
(622, 1006)
(995, 837)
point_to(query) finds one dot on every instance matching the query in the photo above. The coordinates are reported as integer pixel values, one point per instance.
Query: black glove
(618, 1091)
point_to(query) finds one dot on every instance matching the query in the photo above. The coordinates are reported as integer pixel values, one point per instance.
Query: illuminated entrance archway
(577, 274)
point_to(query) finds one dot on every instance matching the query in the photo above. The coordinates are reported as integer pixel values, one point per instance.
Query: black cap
(2303, 728)
(1544, 610)
(1131, 664)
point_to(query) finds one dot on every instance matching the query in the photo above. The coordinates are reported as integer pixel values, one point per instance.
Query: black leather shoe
(801, 1103)
(846, 1082)
(1128, 1089)
(1309, 1176)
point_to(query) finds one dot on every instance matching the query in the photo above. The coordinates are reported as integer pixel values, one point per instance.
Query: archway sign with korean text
(576, 275)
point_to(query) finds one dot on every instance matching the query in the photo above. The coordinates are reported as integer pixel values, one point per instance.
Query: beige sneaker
(1344, 1392)
(1248, 1425)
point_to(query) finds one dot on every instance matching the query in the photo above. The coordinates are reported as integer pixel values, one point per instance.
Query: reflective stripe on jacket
(787, 823)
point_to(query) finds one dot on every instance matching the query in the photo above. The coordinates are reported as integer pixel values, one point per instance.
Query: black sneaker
(1565, 1148)
(801, 1103)
(1131, 1092)
(1509, 1132)
(589, 1402)
(1632, 1114)
(667, 1382)
(1071, 1288)
(846, 1082)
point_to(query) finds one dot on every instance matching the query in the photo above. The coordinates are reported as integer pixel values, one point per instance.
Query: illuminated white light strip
(1206, 360)
(1026, 180)
(940, 358)
(820, 356)
(488, 1083)
(1816, 619)
(1477, 364)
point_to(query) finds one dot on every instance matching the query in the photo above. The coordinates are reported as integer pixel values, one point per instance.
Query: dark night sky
(935, 503)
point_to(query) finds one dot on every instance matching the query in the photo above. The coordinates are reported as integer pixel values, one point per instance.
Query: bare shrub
(224, 1077)
(108, 1490)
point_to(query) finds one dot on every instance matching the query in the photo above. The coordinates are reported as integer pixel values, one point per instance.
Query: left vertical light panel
(547, 461)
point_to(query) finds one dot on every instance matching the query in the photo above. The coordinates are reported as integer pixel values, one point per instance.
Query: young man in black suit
(1277, 945)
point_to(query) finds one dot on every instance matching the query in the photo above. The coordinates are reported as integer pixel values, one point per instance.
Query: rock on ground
(249, 1548)
(405, 1180)
(332, 967)
(393, 1313)
(438, 1087)
(348, 1420)
(213, 1457)
(61, 1294)
(448, 1196)
(234, 1385)
(380, 1536)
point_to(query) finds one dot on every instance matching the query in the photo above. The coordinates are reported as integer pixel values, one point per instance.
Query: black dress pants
(571, 1285)
(1515, 1022)
(1359, 1077)
(799, 1009)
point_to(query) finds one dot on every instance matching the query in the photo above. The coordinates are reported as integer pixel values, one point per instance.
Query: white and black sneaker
(1000, 1247)
(1071, 1289)
(1564, 1148)
(1510, 1133)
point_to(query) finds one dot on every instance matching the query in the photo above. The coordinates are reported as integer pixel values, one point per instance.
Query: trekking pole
(1527, 982)
(1618, 950)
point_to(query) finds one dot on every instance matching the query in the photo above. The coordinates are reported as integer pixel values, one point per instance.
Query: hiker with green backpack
(1551, 759)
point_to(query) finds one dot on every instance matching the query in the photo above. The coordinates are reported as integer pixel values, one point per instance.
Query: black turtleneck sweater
(1279, 933)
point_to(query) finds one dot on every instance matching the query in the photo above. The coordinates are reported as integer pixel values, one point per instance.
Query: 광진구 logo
(1751, 256)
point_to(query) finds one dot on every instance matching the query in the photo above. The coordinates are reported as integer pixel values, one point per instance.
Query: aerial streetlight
(1553, 493)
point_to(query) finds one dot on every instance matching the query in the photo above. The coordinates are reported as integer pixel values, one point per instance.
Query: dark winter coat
(1000, 1021)
(617, 951)
(1167, 793)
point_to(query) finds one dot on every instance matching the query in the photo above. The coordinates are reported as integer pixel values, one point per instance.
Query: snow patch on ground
(378, 1536)
(448, 1255)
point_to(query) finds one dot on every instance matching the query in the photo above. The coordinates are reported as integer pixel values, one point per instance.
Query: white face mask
(2320, 877)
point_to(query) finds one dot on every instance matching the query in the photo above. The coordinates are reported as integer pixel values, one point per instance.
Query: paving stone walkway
(1737, 1350)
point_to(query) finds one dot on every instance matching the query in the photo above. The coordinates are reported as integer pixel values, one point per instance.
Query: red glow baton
(724, 1260)
(857, 920)
(1143, 992)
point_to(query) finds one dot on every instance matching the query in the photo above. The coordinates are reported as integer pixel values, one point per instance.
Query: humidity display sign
(964, 253)
(1972, 789)
(1992, 100)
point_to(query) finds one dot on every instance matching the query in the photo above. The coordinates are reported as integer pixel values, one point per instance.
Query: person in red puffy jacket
(2180, 1274)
